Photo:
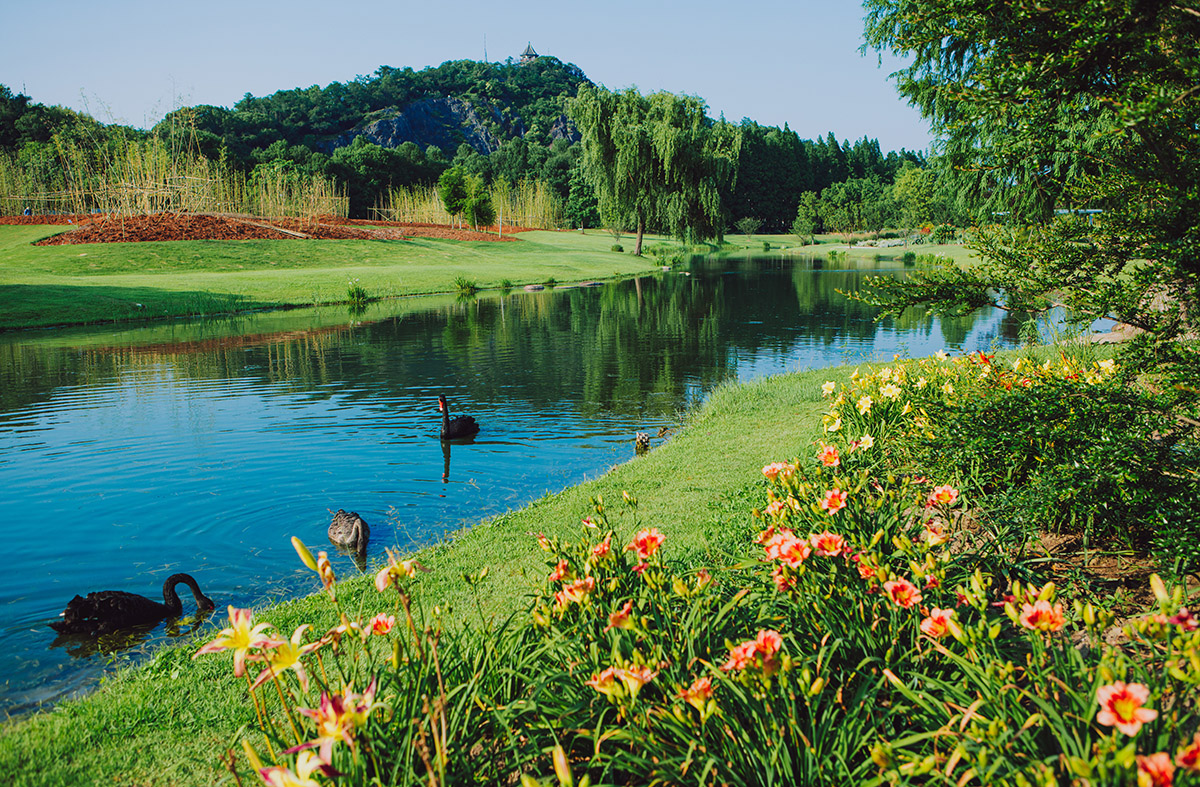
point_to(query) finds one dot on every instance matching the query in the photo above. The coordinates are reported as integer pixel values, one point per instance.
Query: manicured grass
(168, 721)
(110, 282)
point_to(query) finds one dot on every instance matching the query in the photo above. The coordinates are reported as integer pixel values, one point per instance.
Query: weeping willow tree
(657, 161)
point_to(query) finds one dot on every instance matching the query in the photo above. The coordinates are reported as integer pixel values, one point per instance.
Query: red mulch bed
(61, 218)
(105, 228)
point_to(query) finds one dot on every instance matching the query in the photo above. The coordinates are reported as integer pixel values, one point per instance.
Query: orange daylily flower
(646, 542)
(622, 618)
(1188, 757)
(829, 456)
(395, 570)
(306, 765)
(938, 624)
(828, 544)
(1040, 616)
(698, 694)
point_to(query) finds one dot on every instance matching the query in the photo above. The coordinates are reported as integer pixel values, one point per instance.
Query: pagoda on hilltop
(528, 56)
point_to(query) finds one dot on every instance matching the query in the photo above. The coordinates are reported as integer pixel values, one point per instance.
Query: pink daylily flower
(944, 495)
(1121, 706)
(834, 500)
(902, 592)
(382, 623)
(1155, 770)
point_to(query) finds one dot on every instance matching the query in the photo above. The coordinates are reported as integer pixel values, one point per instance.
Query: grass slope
(109, 282)
(168, 721)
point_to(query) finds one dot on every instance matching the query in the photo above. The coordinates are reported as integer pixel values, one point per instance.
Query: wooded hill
(400, 127)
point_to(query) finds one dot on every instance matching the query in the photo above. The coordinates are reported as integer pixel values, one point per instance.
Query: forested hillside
(401, 128)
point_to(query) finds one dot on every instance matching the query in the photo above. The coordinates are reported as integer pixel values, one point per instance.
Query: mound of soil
(106, 228)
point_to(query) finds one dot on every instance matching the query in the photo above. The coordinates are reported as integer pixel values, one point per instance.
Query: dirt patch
(106, 228)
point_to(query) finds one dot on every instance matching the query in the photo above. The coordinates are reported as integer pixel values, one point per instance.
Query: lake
(128, 454)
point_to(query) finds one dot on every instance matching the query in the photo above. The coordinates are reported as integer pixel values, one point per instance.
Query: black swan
(453, 429)
(350, 530)
(109, 610)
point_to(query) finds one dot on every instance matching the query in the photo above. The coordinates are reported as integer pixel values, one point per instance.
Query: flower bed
(867, 634)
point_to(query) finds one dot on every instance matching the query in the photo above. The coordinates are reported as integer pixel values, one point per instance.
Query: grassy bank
(112, 282)
(169, 721)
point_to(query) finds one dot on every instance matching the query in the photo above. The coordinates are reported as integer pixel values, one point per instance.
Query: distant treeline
(519, 112)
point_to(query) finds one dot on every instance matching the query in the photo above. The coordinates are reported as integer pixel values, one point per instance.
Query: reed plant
(125, 176)
(527, 203)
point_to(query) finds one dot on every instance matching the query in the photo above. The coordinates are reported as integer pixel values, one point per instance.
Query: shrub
(909, 257)
(465, 286)
(355, 294)
(618, 248)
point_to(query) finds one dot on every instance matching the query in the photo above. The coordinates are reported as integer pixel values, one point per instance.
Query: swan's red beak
(441, 406)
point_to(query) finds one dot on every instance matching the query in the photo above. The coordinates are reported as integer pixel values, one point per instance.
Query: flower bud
(305, 556)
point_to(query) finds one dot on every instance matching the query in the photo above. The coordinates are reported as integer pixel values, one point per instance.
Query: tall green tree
(1051, 107)
(455, 191)
(808, 219)
(656, 160)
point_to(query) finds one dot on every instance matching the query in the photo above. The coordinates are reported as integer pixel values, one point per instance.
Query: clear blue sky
(773, 61)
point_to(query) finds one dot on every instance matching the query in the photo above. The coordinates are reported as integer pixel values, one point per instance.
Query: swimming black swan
(453, 429)
(108, 610)
(348, 529)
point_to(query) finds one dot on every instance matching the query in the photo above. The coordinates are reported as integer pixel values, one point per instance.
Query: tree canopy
(657, 161)
(1049, 107)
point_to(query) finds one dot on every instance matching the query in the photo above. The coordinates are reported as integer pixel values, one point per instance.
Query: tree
(478, 205)
(748, 225)
(1061, 105)
(915, 192)
(657, 160)
(807, 217)
(454, 191)
(855, 205)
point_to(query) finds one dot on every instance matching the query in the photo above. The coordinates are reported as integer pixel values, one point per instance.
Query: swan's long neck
(171, 598)
(445, 415)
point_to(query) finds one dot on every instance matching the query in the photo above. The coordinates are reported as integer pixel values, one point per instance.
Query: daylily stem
(286, 706)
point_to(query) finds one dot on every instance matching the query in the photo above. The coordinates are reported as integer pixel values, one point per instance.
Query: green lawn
(168, 721)
(88, 283)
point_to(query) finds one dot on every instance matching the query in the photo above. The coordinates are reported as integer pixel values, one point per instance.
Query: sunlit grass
(55, 285)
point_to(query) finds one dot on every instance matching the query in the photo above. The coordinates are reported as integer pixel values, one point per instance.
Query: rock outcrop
(445, 121)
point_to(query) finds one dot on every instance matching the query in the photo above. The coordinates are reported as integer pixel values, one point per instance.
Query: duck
(106, 611)
(456, 428)
(350, 530)
(641, 442)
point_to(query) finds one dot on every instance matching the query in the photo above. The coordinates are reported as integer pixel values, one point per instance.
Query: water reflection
(202, 447)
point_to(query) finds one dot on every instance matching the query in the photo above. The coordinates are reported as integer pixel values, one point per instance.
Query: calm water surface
(127, 455)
